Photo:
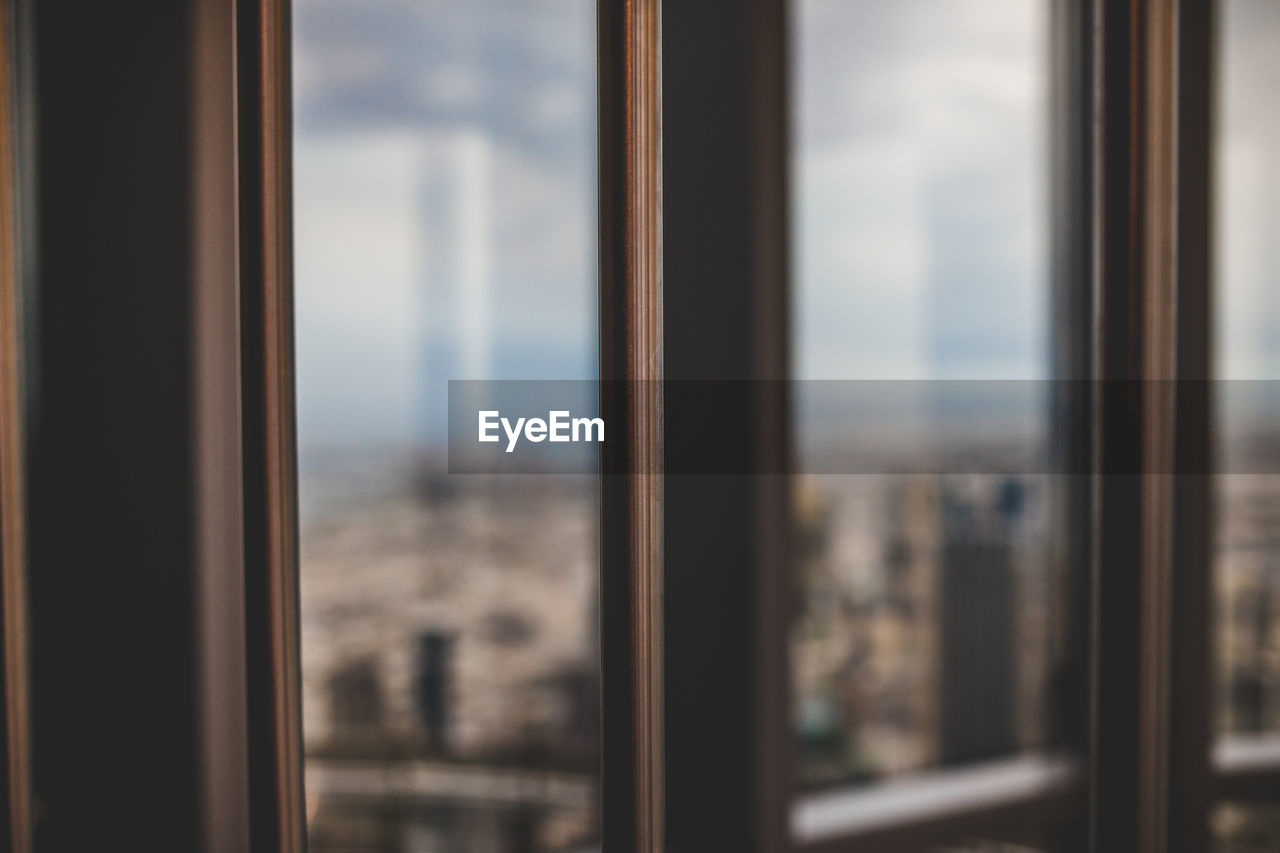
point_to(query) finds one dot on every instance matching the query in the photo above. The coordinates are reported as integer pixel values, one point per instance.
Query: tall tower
(473, 218)
(977, 681)
(455, 235)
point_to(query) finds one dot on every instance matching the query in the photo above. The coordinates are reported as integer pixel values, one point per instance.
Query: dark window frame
(15, 816)
(706, 729)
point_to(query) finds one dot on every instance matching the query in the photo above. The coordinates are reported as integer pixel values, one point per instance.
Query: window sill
(939, 803)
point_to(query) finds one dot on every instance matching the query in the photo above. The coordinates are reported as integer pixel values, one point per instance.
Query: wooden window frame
(696, 746)
(15, 817)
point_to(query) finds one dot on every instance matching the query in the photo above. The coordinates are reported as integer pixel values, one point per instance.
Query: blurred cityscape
(450, 678)
(450, 665)
(1248, 601)
(444, 178)
(923, 629)
(449, 646)
(444, 208)
(1246, 623)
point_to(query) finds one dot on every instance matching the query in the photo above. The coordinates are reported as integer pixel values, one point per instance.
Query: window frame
(1131, 171)
(1133, 88)
(15, 817)
(133, 512)
(631, 365)
(277, 812)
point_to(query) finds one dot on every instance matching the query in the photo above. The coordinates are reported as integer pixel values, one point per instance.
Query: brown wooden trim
(1134, 304)
(217, 488)
(1151, 569)
(1158, 242)
(630, 349)
(281, 468)
(265, 139)
(12, 494)
(772, 537)
(1177, 509)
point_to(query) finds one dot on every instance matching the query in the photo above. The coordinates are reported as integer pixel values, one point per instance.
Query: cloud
(920, 205)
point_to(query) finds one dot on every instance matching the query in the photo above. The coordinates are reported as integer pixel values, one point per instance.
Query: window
(937, 635)
(924, 634)
(1246, 618)
(1247, 358)
(947, 528)
(443, 174)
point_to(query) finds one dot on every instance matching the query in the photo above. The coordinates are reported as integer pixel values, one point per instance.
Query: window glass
(1247, 260)
(928, 627)
(1246, 827)
(444, 179)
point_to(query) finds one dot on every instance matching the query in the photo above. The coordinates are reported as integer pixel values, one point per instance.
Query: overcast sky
(445, 197)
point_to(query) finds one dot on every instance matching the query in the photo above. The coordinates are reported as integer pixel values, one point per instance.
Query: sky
(445, 214)
(919, 212)
(1247, 182)
(444, 159)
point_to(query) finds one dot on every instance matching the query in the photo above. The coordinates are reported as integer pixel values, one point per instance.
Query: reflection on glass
(1245, 828)
(444, 208)
(924, 634)
(1248, 352)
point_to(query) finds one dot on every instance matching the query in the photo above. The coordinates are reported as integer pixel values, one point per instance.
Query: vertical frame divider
(1156, 65)
(264, 131)
(772, 449)
(729, 744)
(1192, 612)
(1072, 268)
(217, 511)
(1153, 512)
(16, 782)
(631, 367)
(1119, 657)
(1070, 189)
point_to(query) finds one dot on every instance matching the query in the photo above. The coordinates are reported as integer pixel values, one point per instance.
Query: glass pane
(1246, 828)
(929, 626)
(444, 161)
(1247, 182)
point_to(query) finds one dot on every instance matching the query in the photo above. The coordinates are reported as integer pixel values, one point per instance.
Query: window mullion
(1191, 593)
(631, 365)
(727, 320)
(15, 823)
(1150, 557)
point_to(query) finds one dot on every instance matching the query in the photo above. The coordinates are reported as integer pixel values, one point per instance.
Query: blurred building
(977, 640)
(1249, 598)
(921, 635)
(449, 672)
